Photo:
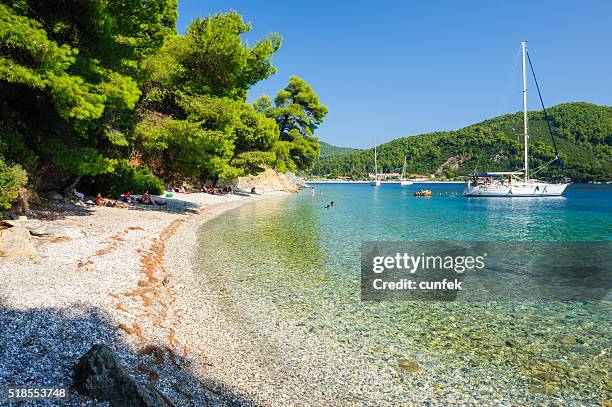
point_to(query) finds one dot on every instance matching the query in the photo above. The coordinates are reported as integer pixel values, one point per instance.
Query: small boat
(423, 192)
(510, 184)
(403, 180)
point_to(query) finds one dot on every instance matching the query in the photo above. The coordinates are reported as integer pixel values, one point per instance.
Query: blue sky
(389, 69)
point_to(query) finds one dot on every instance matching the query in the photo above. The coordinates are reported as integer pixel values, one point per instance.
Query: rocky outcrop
(16, 244)
(452, 164)
(101, 375)
(56, 231)
(266, 181)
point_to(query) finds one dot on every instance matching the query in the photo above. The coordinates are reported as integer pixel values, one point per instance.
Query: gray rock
(101, 375)
(16, 243)
(56, 196)
(50, 230)
(295, 179)
(11, 215)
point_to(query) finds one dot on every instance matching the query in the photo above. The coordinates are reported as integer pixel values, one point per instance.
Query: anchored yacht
(517, 184)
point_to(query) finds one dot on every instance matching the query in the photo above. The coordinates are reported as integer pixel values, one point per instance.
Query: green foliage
(583, 133)
(86, 85)
(68, 85)
(195, 120)
(297, 113)
(282, 152)
(304, 151)
(328, 150)
(12, 180)
(128, 178)
(254, 161)
(297, 110)
(213, 59)
(255, 131)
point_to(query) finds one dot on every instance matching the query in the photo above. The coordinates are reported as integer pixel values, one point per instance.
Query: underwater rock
(567, 340)
(408, 364)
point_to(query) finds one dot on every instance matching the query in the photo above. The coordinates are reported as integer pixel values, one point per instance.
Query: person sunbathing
(147, 199)
(107, 202)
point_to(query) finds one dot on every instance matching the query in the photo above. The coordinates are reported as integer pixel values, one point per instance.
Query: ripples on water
(304, 260)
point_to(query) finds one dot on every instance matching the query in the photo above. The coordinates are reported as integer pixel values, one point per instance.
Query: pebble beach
(115, 282)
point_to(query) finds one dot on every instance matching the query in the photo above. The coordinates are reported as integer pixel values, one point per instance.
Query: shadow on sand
(51, 210)
(41, 346)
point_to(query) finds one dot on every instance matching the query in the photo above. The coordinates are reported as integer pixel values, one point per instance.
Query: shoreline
(248, 345)
(109, 286)
(383, 182)
(145, 294)
(268, 360)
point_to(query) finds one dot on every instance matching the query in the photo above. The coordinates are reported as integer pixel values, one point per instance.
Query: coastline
(144, 290)
(268, 359)
(110, 286)
(248, 345)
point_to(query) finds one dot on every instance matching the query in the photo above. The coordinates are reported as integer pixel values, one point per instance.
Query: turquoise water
(303, 261)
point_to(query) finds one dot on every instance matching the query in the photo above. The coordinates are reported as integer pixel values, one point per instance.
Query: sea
(302, 256)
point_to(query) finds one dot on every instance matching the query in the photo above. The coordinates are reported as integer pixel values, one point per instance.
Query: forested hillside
(107, 94)
(583, 133)
(328, 150)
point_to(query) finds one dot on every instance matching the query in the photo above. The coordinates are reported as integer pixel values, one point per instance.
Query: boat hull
(406, 183)
(529, 189)
(375, 183)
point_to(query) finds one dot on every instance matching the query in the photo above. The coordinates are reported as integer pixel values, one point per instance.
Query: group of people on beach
(147, 199)
(224, 191)
(218, 191)
(127, 198)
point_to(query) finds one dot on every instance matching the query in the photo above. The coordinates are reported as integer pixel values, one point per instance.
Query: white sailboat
(376, 181)
(403, 180)
(509, 184)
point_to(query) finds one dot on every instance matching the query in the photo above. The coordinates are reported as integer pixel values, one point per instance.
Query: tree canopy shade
(583, 132)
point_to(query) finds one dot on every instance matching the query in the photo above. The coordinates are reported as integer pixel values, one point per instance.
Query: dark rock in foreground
(101, 375)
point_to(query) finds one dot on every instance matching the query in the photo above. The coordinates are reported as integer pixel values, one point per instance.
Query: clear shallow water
(302, 262)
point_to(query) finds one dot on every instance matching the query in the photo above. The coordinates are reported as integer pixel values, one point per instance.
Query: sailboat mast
(525, 124)
(375, 164)
(404, 169)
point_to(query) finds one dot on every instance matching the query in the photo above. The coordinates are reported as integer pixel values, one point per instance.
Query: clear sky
(389, 69)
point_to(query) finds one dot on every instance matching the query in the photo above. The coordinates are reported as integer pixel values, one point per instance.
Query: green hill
(328, 150)
(583, 133)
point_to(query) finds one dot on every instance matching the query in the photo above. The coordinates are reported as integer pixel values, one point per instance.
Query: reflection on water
(304, 259)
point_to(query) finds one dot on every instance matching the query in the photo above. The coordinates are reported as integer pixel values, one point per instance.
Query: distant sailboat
(403, 180)
(376, 181)
(495, 184)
